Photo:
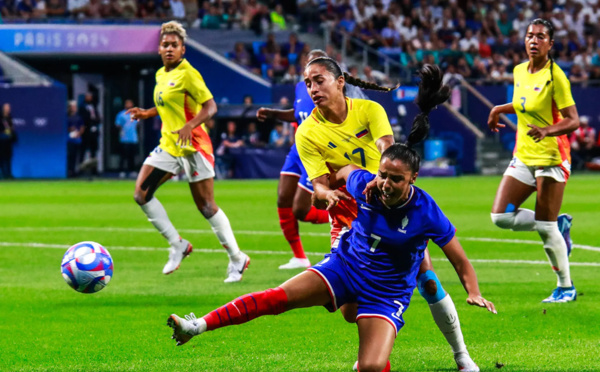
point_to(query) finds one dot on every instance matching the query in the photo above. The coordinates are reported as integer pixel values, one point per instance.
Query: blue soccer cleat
(565, 221)
(561, 294)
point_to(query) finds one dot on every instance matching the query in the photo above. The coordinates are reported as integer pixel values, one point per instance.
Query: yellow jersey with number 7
(178, 97)
(324, 146)
(537, 100)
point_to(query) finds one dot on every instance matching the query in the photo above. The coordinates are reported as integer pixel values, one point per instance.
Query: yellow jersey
(324, 146)
(537, 100)
(178, 97)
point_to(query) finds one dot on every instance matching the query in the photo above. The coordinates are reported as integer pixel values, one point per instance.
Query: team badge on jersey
(404, 223)
(537, 89)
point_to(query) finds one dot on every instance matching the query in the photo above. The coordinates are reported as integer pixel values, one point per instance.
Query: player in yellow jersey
(184, 104)
(546, 114)
(342, 131)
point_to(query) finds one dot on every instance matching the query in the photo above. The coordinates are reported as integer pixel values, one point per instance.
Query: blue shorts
(293, 167)
(347, 286)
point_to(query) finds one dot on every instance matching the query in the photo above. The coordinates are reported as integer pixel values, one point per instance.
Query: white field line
(255, 252)
(258, 232)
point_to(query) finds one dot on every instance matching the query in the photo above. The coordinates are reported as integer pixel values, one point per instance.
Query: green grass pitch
(46, 326)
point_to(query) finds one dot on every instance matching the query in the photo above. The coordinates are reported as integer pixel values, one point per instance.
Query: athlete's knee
(503, 220)
(140, 197)
(372, 364)
(300, 211)
(430, 287)
(208, 209)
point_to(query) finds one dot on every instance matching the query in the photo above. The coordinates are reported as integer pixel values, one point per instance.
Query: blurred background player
(375, 266)
(342, 131)
(8, 137)
(546, 115)
(184, 144)
(128, 139)
(295, 189)
(75, 129)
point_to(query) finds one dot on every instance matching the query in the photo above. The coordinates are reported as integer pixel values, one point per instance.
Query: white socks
(220, 225)
(521, 220)
(157, 214)
(445, 316)
(556, 250)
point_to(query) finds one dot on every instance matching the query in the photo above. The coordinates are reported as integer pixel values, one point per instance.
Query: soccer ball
(87, 267)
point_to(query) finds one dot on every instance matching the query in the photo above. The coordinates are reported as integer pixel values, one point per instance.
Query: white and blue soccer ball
(87, 267)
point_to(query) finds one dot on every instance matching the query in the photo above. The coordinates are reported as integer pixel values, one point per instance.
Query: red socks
(316, 216)
(289, 226)
(387, 368)
(247, 307)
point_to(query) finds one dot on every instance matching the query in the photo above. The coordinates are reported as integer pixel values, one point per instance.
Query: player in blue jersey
(375, 265)
(295, 188)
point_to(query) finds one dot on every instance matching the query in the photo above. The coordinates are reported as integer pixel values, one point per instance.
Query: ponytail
(431, 93)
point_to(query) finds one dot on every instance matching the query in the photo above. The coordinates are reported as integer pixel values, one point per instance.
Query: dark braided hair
(332, 66)
(431, 93)
(550, 28)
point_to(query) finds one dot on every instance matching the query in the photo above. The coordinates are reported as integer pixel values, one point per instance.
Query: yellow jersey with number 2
(537, 100)
(178, 97)
(324, 146)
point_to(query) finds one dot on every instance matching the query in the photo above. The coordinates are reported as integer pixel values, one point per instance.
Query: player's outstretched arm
(140, 113)
(466, 273)
(323, 192)
(494, 117)
(264, 113)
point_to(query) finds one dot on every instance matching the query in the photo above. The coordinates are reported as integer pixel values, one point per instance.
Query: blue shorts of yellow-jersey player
(293, 167)
(346, 287)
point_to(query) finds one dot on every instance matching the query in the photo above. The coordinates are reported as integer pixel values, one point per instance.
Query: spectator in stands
(233, 16)
(8, 137)
(191, 13)
(291, 75)
(583, 141)
(75, 130)
(469, 42)
(390, 37)
(374, 76)
(451, 77)
(261, 21)
(164, 9)
(577, 74)
(27, 9)
(229, 140)
(148, 9)
(94, 9)
(252, 137)
(279, 137)
(113, 9)
(55, 9)
(213, 19)
(249, 110)
(293, 46)
(241, 56)
(128, 139)
(278, 18)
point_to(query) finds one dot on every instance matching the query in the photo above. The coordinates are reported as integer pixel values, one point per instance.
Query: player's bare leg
(203, 194)
(148, 181)
(376, 340)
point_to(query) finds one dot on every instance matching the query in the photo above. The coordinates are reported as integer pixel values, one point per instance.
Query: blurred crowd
(479, 40)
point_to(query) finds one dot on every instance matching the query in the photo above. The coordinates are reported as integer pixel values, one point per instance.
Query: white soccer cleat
(177, 253)
(184, 329)
(236, 268)
(355, 366)
(296, 263)
(464, 363)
